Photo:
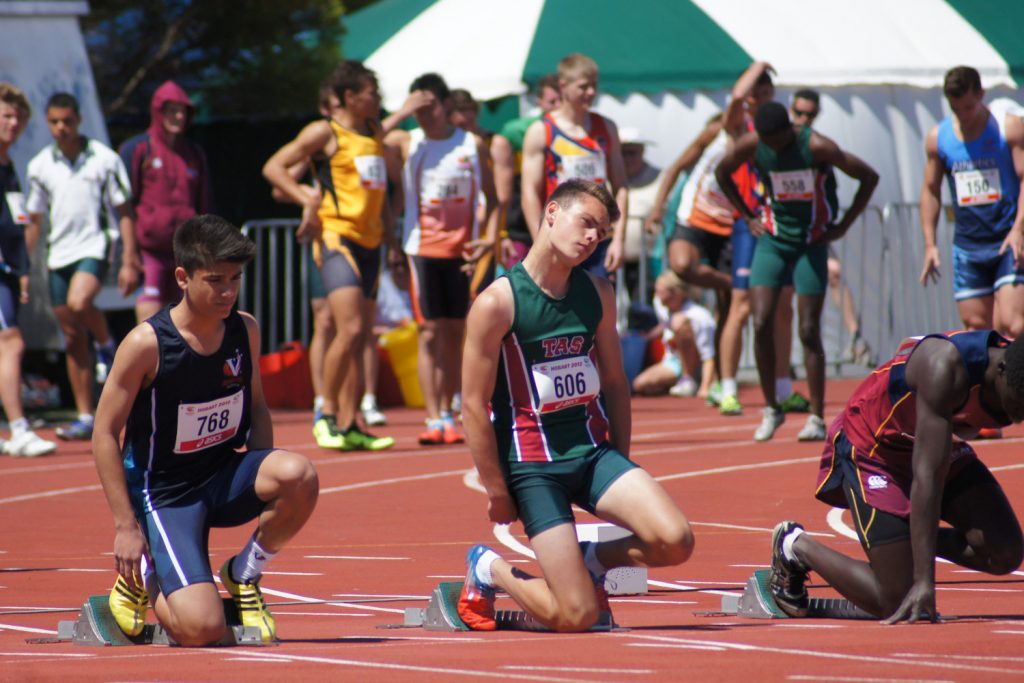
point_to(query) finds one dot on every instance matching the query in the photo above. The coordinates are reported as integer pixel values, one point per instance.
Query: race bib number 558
(565, 383)
(202, 425)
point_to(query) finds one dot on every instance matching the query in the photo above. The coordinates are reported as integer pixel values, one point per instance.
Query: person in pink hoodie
(170, 184)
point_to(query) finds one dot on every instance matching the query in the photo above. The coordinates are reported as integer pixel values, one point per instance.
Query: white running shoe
(771, 419)
(686, 386)
(28, 445)
(814, 429)
(373, 417)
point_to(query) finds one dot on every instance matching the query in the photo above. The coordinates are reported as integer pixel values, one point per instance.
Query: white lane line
(978, 590)
(90, 571)
(304, 598)
(394, 480)
(390, 666)
(684, 587)
(1010, 633)
(679, 646)
(644, 601)
(319, 614)
(738, 468)
(292, 573)
(26, 629)
(45, 654)
(986, 658)
(855, 679)
(446, 576)
(381, 596)
(49, 494)
(860, 658)
(576, 669)
(740, 527)
(357, 557)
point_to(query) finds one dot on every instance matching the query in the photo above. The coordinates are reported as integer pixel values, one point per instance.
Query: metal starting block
(441, 614)
(96, 627)
(757, 602)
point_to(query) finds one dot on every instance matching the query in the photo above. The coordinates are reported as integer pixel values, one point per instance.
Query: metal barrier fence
(881, 259)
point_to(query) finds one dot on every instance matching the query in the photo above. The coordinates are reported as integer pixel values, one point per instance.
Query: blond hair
(14, 97)
(669, 279)
(576, 65)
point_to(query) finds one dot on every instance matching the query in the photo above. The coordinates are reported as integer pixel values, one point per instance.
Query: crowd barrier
(881, 259)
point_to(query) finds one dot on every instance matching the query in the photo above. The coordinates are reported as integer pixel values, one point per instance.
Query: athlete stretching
(542, 355)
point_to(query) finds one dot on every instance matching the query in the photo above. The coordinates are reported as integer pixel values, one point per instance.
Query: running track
(392, 525)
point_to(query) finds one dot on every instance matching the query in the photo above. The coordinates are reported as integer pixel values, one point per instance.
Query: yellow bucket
(403, 350)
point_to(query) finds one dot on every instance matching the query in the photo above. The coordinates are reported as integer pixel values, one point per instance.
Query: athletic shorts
(671, 361)
(714, 249)
(980, 272)
(344, 263)
(158, 281)
(438, 288)
(10, 301)
(877, 492)
(179, 534)
(546, 491)
(60, 279)
(315, 282)
(779, 264)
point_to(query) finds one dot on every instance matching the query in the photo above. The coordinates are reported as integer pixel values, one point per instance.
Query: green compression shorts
(776, 264)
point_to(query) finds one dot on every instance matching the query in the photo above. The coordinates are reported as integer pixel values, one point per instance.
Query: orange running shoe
(990, 433)
(476, 602)
(434, 436)
(452, 435)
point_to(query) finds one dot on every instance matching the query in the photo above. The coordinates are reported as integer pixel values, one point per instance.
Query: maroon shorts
(158, 283)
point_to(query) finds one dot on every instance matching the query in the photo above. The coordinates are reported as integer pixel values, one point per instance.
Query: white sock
(783, 388)
(729, 387)
(594, 566)
(149, 580)
(369, 401)
(19, 427)
(483, 567)
(248, 564)
(85, 418)
(318, 402)
(787, 545)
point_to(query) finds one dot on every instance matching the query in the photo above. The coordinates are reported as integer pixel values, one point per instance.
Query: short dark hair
(546, 81)
(771, 118)
(961, 80)
(462, 99)
(350, 75)
(1014, 364)
(808, 94)
(432, 83)
(206, 240)
(569, 192)
(63, 100)
(764, 79)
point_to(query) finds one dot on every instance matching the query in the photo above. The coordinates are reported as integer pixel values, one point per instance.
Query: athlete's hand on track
(502, 509)
(930, 271)
(755, 226)
(129, 547)
(1015, 242)
(919, 603)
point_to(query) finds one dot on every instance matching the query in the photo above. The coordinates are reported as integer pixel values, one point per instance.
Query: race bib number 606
(203, 425)
(565, 383)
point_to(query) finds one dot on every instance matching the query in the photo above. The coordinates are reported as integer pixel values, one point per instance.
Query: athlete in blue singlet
(198, 451)
(982, 157)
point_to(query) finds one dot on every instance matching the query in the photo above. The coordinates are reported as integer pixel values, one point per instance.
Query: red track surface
(396, 523)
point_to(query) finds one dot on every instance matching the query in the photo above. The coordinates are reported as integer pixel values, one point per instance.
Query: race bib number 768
(203, 425)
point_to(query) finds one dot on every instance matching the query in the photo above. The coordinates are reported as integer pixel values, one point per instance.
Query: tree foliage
(238, 58)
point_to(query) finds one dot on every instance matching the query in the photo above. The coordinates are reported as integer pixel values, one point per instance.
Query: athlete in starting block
(187, 385)
(897, 458)
(543, 356)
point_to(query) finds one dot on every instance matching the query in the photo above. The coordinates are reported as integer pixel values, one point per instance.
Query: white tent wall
(886, 126)
(42, 52)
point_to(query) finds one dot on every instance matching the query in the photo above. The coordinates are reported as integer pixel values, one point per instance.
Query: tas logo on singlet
(562, 346)
(233, 370)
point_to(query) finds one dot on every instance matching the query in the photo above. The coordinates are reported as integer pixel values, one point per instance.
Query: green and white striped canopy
(496, 47)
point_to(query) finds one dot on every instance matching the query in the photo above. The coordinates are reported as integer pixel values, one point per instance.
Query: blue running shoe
(476, 603)
(76, 431)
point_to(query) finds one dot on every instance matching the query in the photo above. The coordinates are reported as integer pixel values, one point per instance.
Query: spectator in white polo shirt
(78, 180)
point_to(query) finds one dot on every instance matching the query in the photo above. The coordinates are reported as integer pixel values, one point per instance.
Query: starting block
(96, 627)
(757, 602)
(441, 614)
